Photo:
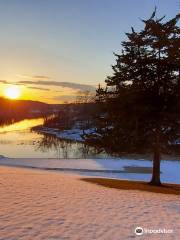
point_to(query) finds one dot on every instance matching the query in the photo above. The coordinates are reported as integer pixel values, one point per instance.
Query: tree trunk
(156, 164)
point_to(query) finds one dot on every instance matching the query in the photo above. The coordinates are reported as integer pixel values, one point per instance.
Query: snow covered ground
(43, 205)
(121, 168)
(74, 134)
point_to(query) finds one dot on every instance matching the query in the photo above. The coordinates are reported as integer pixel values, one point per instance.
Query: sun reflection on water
(22, 125)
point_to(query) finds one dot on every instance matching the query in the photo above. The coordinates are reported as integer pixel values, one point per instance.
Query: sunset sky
(53, 49)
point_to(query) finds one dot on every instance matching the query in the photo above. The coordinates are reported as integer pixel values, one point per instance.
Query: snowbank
(74, 134)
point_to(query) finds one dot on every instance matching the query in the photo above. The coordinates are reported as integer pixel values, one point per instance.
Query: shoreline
(70, 134)
(133, 170)
(75, 135)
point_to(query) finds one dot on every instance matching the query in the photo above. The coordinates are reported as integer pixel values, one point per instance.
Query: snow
(110, 168)
(43, 205)
(74, 134)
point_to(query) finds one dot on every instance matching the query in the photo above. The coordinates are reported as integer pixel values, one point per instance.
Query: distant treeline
(16, 110)
(73, 115)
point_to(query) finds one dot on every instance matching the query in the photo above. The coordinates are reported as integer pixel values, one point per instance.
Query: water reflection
(66, 148)
(17, 140)
(22, 125)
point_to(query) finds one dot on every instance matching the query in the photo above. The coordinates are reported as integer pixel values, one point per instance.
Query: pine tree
(142, 97)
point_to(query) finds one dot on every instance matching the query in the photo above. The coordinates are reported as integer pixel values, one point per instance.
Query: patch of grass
(166, 188)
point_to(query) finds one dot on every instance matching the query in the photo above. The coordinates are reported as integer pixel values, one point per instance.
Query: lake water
(22, 147)
(17, 140)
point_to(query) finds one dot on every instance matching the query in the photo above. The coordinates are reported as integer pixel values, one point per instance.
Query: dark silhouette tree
(142, 97)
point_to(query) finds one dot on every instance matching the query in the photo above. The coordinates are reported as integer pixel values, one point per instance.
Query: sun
(12, 92)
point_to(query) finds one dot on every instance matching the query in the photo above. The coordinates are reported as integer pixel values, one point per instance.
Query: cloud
(65, 98)
(8, 82)
(4, 81)
(77, 86)
(72, 97)
(39, 88)
(35, 77)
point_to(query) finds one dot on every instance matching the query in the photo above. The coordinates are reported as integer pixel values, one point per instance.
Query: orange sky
(54, 49)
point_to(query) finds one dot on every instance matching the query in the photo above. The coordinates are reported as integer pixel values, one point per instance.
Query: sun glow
(12, 92)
